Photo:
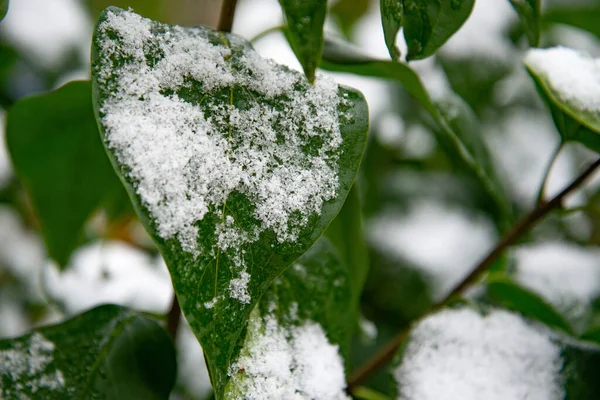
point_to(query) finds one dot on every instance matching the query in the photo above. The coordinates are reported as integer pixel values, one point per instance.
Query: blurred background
(426, 224)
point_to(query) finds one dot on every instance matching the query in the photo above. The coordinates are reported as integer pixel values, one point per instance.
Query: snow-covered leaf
(298, 333)
(236, 164)
(105, 353)
(305, 19)
(569, 82)
(58, 155)
(496, 355)
(459, 133)
(529, 13)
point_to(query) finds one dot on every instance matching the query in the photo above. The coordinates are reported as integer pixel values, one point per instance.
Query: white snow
(462, 355)
(111, 272)
(186, 160)
(573, 76)
(444, 243)
(566, 275)
(287, 362)
(26, 365)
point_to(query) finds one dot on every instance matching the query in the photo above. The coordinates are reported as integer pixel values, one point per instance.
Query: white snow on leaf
(111, 272)
(572, 75)
(185, 160)
(287, 362)
(462, 355)
(25, 366)
(565, 275)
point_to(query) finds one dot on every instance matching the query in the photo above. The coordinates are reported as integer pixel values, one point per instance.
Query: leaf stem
(225, 24)
(386, 354)
(226, 18)
(540, 196)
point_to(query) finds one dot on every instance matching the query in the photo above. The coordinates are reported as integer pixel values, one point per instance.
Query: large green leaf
(305, 19)
(57, 153)
(236, 165)
(106, 353)
(529, 13)
(512, 296)
(306, 306)
(567, 81)
(428, 24)
(458, 130)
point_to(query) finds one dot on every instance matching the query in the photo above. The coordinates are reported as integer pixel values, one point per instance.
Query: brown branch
(225, 24)
(226, 18)
(385, 355)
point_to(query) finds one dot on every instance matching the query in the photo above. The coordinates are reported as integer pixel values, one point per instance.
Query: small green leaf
(514, 297)
(564, 78)
(391, 20)
(529, 13)
(458, 134)
(428, 24)
(106, 353)
(305, 19)
(3, 9)
(57, 153)
(236, 165)
(306, 306)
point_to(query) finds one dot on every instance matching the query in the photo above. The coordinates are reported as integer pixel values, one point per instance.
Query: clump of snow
(111, 272)
(25, 364)
(287, 362)
(462, 355)
(187, 159)
(443, 242)
(573, 76)
(567, 276)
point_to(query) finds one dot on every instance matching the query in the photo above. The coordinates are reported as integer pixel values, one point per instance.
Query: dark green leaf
(305, 19)
(514, 297)
(529, 13)
(253, 135)
(106, 353)
(348, 12)
(458, 134)
(428, 24)
(315, 289)
(391, 20)
(583, 17)
(592, 335)
(575, 120)
(58, 155)
(154, 9)
(3, 9)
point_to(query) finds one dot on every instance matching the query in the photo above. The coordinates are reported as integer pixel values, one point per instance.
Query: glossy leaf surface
(270, 157)
(106, 353)
(58, 155)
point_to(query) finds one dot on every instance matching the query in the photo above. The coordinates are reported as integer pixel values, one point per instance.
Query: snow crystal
(573, 76)
(185, 159)
(467, 356)
(27, 363)
(281, 362)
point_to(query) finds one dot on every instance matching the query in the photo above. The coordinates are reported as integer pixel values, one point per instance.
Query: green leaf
(514, 297)
(307, 304)
(236, 165)
(154, 9)
(391, 21)
(348, 12)
(57, 153)
(3, 9)
(428, 24)
(305, 19)
(592, 335)
(562, 76)
(458, 134)
(108, 353)
(583, 17)
(529, 13)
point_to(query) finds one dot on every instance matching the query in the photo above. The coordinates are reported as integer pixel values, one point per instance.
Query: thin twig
(541, 193)
(225, 24)
(226, 18)
(385, 355)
